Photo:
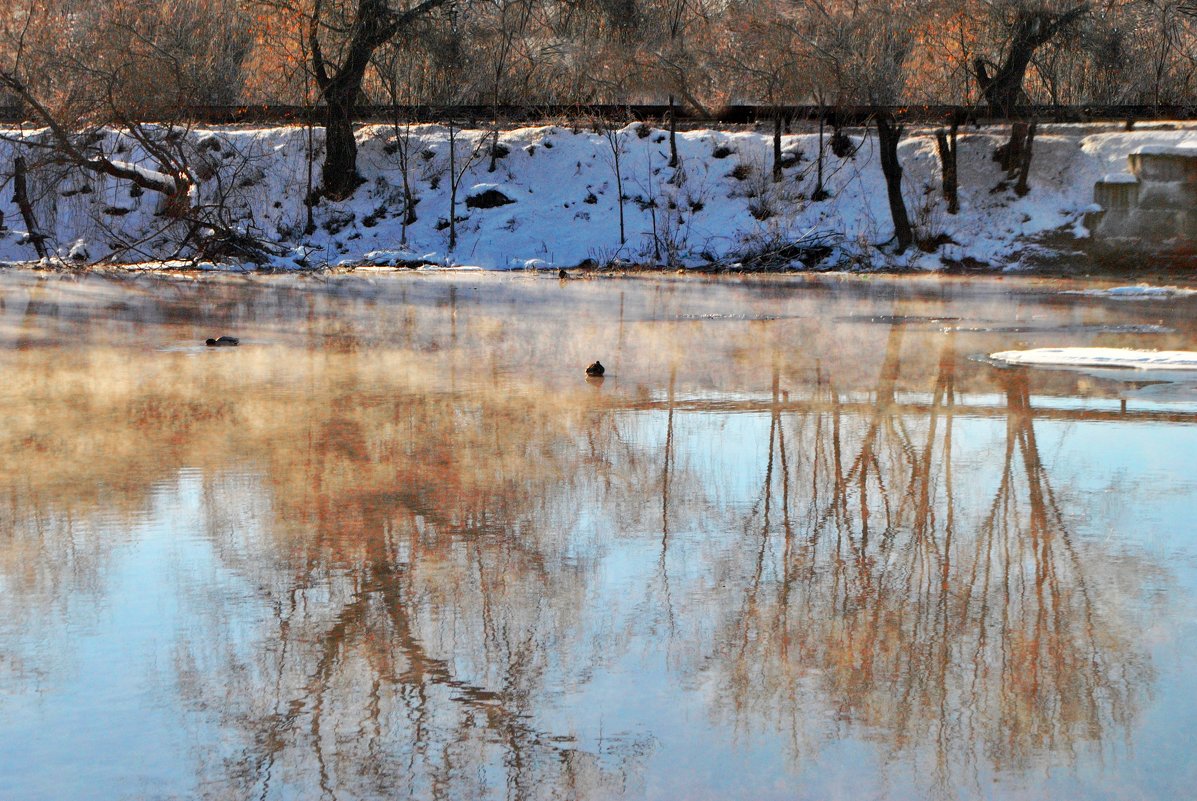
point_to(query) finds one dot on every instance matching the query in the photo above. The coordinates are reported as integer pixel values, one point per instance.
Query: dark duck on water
(596, 370)
(222, 342)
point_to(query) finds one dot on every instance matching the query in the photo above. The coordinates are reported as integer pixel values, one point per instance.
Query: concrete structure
(1154, 206)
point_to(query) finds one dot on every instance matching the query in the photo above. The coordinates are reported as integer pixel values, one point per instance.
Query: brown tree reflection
(426, 579)
(415, 519)
(960, 634)
(417, 548)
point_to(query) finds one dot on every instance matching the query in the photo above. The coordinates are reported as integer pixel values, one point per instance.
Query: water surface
(802, 542)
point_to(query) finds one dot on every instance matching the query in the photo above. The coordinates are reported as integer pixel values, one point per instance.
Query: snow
(478, 189)
(1124, 358)
(1186, 150)
(567, 206)
(385, 257)
(1135, 292)
(1119, 178)
(160, 178)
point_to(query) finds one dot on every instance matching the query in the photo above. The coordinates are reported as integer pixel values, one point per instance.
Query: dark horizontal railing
(727, 115)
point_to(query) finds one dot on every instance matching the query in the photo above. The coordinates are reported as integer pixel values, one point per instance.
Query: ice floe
(1135, 292)
(1118, 358)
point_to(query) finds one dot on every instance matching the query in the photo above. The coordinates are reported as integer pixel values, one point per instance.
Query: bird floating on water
(225, 342)
(596, 370)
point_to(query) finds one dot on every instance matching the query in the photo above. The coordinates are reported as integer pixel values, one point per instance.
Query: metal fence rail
(477, 115)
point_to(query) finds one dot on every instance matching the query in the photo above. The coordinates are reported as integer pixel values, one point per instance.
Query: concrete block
(1116, 195)
(1164, 164)
(1173, 195)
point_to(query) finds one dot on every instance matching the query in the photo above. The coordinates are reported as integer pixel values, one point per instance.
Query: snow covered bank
(1120, 358)
(552, 199)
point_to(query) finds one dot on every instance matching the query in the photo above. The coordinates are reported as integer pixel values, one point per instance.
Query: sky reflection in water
(799, 543)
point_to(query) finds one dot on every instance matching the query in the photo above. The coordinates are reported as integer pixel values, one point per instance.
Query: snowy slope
(564, 204)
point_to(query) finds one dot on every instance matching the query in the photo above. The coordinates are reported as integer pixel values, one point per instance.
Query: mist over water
(801, 541)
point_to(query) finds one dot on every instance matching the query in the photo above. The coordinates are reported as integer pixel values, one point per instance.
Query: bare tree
(864, 51)
(1028, 24)
(397, 70)
(94, 87)
(464, 152)
(613, 136)
(766, 62)
(674, 64)
(502, 30)
(120, 67)
(361, 28)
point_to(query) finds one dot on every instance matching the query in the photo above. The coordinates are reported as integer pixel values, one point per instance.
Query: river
(802, 541)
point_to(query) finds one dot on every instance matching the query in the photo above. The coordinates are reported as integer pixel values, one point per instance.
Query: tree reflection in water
(426, 611)
(427, 541)
(952, 639)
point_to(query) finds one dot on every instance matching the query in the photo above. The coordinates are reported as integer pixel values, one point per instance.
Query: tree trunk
(1003, 89)
(409, 211)
(1024, 168)
(494, 144)
(673, 159)
(340, 93)
(946, 143)
(777, 172)
(820, 192)
(452, 189)
(613, 142)
(619, 188)
(20, 196)
(888, 135)
(309, 197)
(340, 147)
(1009, 155)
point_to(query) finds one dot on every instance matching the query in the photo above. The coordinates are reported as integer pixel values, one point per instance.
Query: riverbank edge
(1066, 272)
